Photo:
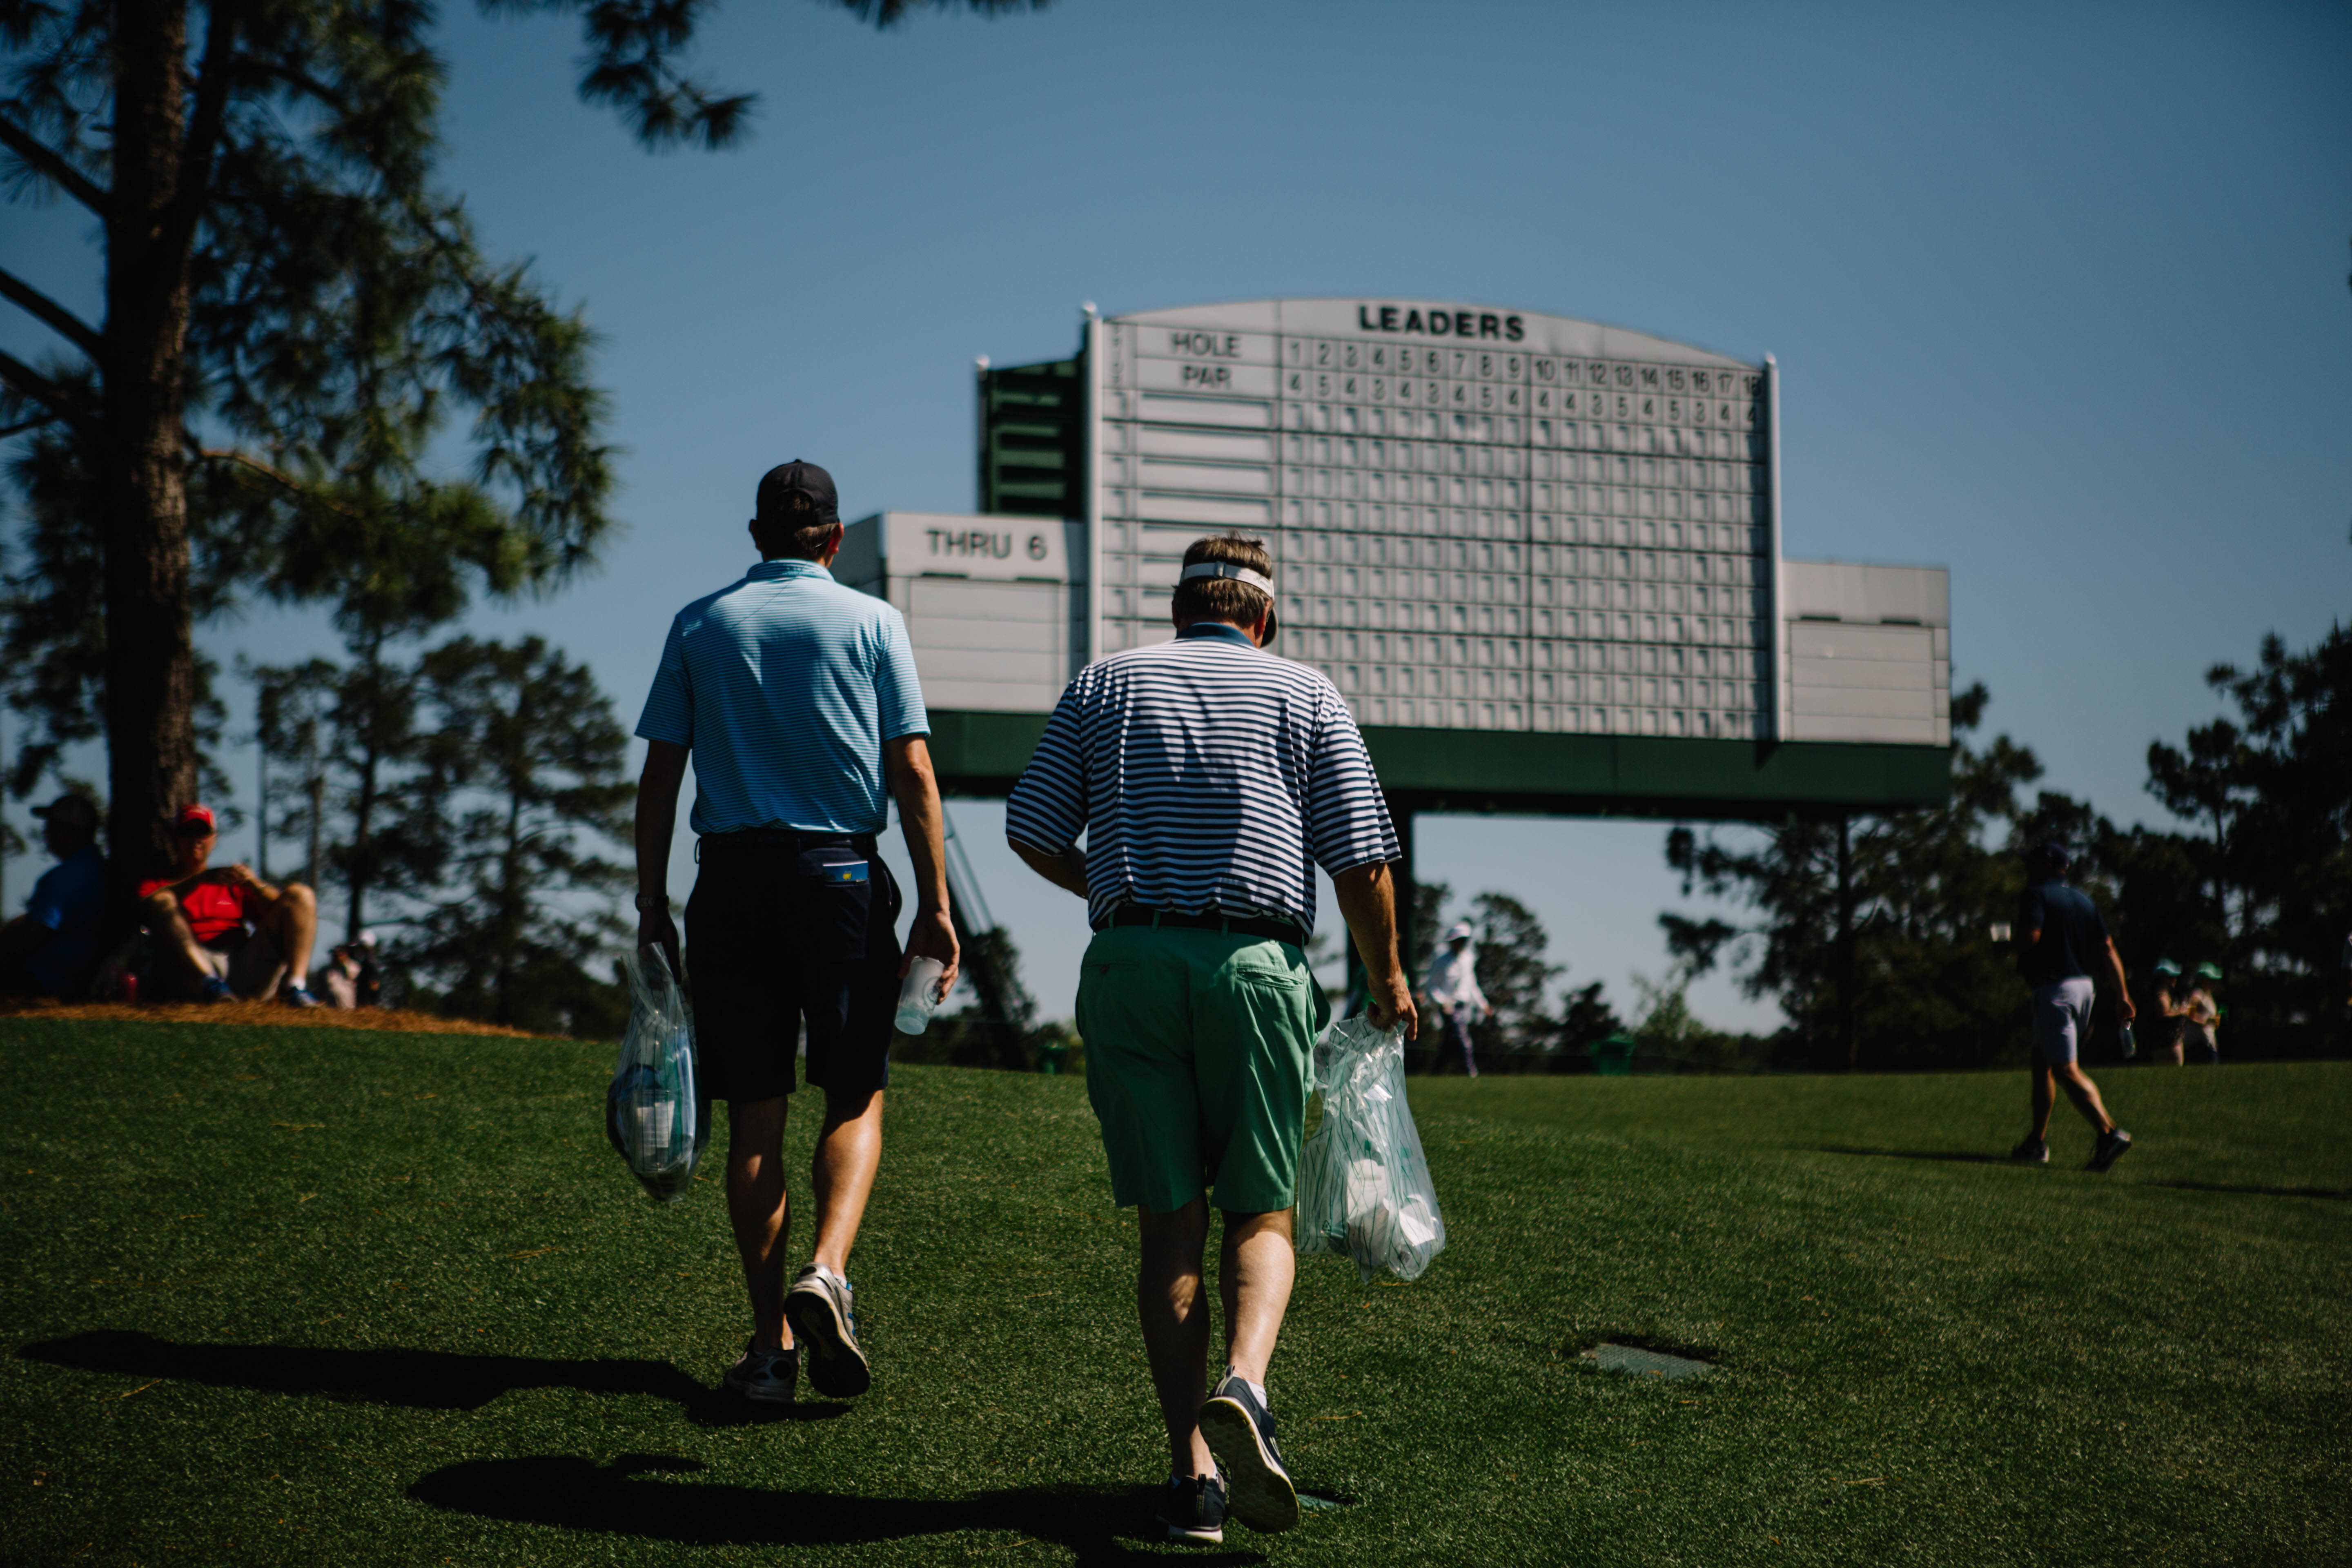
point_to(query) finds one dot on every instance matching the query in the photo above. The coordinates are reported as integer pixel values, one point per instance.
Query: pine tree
(1874, 932)
(525, 762)
(289, 298)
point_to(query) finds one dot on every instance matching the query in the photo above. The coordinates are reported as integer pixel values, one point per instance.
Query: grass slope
(295, 1296)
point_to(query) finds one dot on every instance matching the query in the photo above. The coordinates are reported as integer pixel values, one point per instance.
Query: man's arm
(657, 788)
(1066, 870)
(23, 935)
(2123, 989)
(917, 790)
(1368, 902)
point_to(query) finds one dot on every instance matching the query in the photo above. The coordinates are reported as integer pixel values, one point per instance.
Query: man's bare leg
(760, 1209)
(1174, 1310)
(2045, 1097)
(293, 923)
(1255, 1270)
(2085, 1096)
(841, 1173)
(183, 956)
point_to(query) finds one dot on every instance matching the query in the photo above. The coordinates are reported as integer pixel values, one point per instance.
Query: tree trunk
(1848, 1046)
(359, 871)
(150, 682)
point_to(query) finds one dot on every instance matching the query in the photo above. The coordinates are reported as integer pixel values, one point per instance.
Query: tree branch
(205, 124)
(277, 475)
(56, 396)
(44, 161)
(64, 323)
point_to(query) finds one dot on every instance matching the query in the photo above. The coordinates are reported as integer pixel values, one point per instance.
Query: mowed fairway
(304, 1296)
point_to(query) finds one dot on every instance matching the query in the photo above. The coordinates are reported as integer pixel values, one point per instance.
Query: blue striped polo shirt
(1206, 773)
(784, 686)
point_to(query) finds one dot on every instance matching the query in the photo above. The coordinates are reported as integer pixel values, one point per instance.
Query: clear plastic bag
(1364, 1190)
(652, 1112)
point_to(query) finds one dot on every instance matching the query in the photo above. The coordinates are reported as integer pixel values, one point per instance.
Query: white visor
(1257, 580)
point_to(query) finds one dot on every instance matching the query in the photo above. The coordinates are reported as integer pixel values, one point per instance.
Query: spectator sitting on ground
(2172, 1008)
(224, 932)
(49, 949)
(340, 978)
(2201, 1030)
(351, 978)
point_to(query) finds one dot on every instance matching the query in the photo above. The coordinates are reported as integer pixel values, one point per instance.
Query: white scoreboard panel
(1480, 519)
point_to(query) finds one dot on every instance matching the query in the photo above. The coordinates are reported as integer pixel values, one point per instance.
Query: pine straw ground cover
(304, 1296)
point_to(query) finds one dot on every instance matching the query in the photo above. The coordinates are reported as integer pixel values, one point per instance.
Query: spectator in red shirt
(225, 932)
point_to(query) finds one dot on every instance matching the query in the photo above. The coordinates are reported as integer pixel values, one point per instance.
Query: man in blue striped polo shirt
(797, 697)
(1210, 777)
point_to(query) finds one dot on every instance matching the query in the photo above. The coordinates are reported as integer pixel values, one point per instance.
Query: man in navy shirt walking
(2061, 936)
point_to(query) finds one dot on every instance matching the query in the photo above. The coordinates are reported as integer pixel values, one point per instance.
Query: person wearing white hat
(1210, 777)
(1452, 990)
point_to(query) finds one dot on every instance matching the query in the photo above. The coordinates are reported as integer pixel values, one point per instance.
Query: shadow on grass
(2338, 1193)
(437, 1380)
(1099, 1524)
(1953, 1156)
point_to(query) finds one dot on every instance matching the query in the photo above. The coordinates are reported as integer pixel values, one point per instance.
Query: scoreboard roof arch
(1437, 323)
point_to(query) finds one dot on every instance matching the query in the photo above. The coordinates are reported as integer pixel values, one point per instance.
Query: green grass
(310, 1296)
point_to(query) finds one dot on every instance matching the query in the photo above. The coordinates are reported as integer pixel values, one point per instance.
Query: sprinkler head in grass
(1644, 1363)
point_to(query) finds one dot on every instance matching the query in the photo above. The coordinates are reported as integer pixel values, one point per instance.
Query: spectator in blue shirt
(49, 950)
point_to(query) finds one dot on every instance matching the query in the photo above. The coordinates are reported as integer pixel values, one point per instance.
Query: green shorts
(1197, 1052)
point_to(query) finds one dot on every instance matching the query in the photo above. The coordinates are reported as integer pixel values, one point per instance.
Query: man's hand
(932, 936)
(656, 929)
(1390, 1002)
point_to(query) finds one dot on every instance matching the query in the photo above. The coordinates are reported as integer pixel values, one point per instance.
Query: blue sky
(2058, 293)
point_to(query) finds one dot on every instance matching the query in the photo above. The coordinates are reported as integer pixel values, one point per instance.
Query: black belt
(1233, 925)
(789, 838)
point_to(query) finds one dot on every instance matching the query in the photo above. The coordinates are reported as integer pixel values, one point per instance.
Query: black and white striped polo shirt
(1205, 772)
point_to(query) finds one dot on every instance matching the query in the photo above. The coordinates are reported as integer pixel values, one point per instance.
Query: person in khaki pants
(1210, 778)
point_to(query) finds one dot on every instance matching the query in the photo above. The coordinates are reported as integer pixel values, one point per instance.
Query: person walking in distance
(796, 699)
(2060, 937)
(1452, 990)
(1210, 778)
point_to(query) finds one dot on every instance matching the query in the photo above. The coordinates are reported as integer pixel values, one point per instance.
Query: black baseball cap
(797, 493)
(79, 809)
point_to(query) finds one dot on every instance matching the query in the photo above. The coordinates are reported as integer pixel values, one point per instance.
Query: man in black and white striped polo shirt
(1210, 777)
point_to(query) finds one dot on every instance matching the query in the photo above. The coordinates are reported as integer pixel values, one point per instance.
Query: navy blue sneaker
(1240, 1431)
(1193, 1509)
(217, 989)
(2110, 1148)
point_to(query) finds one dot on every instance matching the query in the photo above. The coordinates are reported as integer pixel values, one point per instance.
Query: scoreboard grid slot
(1451, 551)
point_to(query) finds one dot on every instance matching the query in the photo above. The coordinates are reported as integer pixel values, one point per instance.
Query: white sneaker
(765, 1377)
(820, 1308)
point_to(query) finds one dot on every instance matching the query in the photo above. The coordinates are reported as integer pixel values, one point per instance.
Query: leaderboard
(1481, 518)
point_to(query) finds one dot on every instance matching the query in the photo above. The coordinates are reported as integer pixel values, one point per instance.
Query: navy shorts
(783, 931)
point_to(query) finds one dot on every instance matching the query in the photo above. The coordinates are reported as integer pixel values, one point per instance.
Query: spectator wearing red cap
(225, 932)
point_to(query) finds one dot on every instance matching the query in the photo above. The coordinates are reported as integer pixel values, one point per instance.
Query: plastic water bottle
(2124, 1037)
(920, 995)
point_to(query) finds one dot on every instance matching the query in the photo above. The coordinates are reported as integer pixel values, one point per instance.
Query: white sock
(1257, 1389)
